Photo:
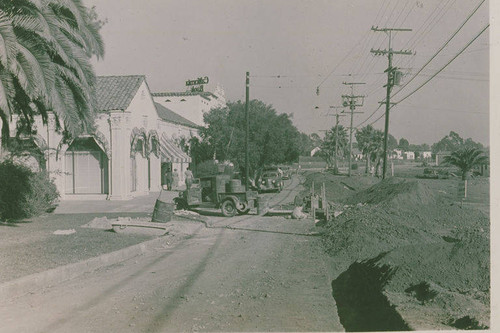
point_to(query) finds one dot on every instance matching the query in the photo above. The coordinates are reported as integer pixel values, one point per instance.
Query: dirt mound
(396, 192)
(438, 251)
(458, 265)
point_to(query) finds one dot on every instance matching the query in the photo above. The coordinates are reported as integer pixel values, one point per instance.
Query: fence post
(325, 202)
(313, 204)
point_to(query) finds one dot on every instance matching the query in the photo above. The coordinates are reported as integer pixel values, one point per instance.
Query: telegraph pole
(337, 115)
(393, 77)
(351, 101)
(247, 121)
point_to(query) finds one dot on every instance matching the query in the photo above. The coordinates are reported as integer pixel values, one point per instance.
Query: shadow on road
(361, 304)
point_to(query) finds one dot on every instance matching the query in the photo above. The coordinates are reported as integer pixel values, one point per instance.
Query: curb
(30, 283)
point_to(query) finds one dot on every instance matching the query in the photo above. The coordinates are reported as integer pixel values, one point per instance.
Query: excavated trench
(361, 304)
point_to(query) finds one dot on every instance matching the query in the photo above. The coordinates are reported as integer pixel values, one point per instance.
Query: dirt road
(262, 274)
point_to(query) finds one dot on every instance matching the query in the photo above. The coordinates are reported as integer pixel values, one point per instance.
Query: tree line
(273, 139)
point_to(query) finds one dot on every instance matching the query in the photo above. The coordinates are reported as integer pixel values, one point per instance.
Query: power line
(435, 21)
(442, 47)
(425, 28)
(343, 59)
(424, 25)
(369, 41)
(392, 79)
(446, 65)
(371, 63)
(423, 108)
(434, 75)
(373, 122)
(457, 78)
(364, 121)
(406, 17)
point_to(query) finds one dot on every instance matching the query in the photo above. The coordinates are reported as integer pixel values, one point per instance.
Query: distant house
(397, 154)
(357, 154)
(409, 155)
(425, 155)
(314, 151)
(441, 155)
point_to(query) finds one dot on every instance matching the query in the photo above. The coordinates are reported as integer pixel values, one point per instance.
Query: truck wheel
(228, 208)
(244, 210)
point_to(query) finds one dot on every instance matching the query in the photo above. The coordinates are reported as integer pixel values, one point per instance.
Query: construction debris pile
(427, 257)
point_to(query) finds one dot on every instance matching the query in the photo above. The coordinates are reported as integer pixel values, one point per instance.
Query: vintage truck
(217, 191)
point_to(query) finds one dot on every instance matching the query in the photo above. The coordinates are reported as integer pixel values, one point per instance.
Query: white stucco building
(191, 105)
(135, 141)
(397, 154)
(425, 155)
(409, 155)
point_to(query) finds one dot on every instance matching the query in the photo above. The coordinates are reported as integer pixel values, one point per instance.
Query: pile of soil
(436, 251)
(394, 192)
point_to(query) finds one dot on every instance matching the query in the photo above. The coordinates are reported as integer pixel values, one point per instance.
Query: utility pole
(393, 76)
(337, 115)
(351, 101)
(247, 121)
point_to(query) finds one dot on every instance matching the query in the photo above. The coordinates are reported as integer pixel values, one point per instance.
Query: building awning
(171, 152)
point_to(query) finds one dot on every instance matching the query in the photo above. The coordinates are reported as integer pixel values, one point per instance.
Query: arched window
(138, 142)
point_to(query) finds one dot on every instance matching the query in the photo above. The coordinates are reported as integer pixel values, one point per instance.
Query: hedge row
(24, 193)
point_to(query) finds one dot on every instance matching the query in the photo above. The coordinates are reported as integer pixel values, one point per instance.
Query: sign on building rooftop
(197, 85)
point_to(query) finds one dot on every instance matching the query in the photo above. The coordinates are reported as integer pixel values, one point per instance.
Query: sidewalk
(142, 204)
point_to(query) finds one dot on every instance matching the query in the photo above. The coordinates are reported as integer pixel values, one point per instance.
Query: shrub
(354, 166)
(24, 193)
(428, 171)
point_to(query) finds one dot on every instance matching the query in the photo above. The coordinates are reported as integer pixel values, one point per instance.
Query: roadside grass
(30, 246)
(478, 189)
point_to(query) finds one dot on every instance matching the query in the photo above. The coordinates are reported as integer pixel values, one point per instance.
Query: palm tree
(376, 149)
(334, 138)
(45, 51)
(466, 159)
(364, 137)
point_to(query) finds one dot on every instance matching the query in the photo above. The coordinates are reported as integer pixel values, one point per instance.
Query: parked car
(286, 172)
(270, 181)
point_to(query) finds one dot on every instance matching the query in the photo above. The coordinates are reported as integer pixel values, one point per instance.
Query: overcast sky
(310, 44)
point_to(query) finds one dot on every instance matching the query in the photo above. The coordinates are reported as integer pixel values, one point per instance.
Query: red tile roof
(204, 94)
(116, 92)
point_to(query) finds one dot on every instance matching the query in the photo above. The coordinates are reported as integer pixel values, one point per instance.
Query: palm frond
(6, 93)
(8, 41)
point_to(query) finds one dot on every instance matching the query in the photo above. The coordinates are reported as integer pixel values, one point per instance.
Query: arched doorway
(86, 168)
